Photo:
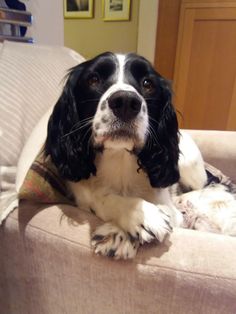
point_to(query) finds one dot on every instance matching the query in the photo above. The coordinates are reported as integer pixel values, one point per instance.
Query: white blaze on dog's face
(121, 119)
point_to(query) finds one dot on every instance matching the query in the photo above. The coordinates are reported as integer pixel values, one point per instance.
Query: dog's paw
(146, 223)
(109, 240)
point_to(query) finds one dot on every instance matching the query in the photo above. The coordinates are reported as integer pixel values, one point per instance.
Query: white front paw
(109, 240)
(146, 223)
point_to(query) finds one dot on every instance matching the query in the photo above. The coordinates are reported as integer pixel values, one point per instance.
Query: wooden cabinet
(205, 65)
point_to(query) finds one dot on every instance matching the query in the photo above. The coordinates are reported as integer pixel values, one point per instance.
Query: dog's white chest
(119, 171)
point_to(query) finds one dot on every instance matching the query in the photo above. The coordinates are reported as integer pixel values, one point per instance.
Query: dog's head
(115, 101)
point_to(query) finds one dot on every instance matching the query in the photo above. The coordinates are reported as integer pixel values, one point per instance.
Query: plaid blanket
(43, 184)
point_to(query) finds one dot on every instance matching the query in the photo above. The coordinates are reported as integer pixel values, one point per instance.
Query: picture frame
(116, 10)
(78, 9)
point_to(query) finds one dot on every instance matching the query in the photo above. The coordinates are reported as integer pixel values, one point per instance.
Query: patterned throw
(43, 183)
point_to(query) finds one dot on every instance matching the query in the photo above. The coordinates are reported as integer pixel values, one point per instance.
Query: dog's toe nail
(111, 253)
(131, 238)
(97, 237)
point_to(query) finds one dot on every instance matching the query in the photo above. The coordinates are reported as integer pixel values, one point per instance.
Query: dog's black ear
(67, 142)
(159, 157)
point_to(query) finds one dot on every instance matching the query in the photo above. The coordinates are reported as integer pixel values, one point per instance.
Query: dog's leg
(141, 219)
(132, 219)
(191, 165)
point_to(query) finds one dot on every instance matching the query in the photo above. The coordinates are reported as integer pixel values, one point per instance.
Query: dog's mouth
(123, 137)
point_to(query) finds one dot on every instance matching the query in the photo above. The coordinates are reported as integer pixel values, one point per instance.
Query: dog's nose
(125, 105)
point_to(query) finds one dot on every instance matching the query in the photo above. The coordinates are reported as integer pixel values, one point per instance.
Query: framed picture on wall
(78, 9)
(116, 10)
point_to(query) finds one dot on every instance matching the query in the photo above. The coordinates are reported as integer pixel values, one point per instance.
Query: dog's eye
(93, 80)
(147, 84)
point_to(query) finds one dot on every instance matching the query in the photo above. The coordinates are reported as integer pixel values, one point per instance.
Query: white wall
(48, 21)
(148, 15)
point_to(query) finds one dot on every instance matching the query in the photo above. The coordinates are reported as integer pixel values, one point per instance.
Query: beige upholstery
(48, 267)
(218, 148)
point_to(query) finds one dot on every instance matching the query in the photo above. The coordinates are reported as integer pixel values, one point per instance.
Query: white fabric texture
(31, 149)
(31, 79)
(8, 194)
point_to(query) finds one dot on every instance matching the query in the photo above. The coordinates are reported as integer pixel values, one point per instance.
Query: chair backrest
(31, 79)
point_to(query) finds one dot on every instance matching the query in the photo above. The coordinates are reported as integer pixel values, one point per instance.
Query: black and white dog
(113, 135)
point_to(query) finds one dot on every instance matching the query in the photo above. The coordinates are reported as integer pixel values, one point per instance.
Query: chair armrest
(218, 148)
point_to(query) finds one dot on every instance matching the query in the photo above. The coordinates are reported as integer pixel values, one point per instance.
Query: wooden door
(205, 65)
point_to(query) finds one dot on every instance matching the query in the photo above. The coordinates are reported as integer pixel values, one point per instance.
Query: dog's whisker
(86, 133)
(82, 127)
(85, 123)
(86, 119)
(149, 138)
(153, 120)
(82, 122)
(99, 91)
(77, 129)
(149, 141)
(153, 134)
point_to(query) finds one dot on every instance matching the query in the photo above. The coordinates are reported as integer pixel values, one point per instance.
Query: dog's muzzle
(120, 119)
(125, 105)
